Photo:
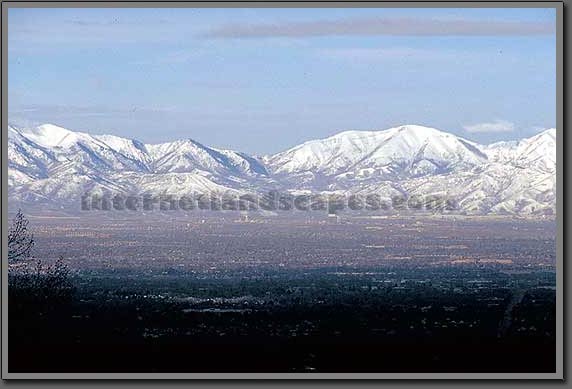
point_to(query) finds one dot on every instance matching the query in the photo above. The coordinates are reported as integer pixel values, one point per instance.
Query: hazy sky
(262, 80)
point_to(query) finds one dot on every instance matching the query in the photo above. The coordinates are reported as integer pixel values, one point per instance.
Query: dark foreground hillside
(466, 319)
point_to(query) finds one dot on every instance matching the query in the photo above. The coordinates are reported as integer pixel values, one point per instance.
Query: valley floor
(386, 295)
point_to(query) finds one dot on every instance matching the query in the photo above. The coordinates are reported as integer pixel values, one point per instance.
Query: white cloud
(495, 126)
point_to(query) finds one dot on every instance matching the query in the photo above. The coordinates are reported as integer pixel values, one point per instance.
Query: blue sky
(263, 80)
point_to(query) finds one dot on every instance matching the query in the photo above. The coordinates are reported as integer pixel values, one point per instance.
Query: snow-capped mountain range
(53, 165)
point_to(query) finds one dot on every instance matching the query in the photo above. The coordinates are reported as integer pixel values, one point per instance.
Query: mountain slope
(189, 155)
(397, 153)
(538, 152)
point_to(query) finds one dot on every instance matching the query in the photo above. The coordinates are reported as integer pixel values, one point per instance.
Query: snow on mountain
(494, 188)
(131, 149)
(49, 135)
(179, 184)
(538, 151)
(50, 164)
(57, 147)
(26, 158)
(190, 155)
(405, 151)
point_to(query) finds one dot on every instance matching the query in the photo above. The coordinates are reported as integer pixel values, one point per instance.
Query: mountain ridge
(51, 164)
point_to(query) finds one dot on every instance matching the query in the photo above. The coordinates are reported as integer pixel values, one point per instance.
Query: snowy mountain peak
(50, 135)
(538, 151)
(388, 152)
(547, 136)
(421, 132)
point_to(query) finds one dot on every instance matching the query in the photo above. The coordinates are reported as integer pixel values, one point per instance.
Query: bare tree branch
(20, 240)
